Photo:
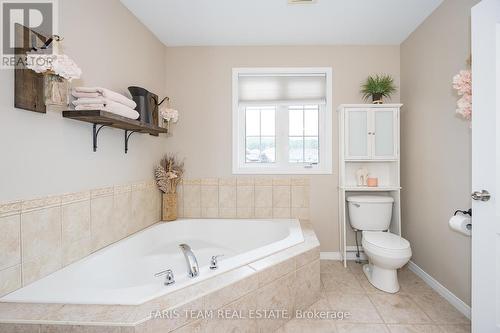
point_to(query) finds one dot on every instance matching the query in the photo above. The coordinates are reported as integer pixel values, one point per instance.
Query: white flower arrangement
(169, 115)
(58, 64)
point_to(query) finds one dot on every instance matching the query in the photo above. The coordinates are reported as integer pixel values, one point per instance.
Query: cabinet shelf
(101, 119)
(369, 189)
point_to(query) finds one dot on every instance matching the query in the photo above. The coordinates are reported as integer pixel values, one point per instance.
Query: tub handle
(169, 276)
(214, 261)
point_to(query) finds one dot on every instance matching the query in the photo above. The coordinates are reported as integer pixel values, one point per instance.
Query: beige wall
(436, 145)
(46, 154)
(199, 82)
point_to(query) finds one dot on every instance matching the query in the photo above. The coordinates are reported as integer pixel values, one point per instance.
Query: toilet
(386, 251)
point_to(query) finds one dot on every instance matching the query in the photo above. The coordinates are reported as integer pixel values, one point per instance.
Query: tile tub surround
(43, 235)
(289, 279)
(244, 197)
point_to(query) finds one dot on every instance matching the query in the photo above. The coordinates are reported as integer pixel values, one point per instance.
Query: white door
(383, 134)
(357, 127)
(485, 164)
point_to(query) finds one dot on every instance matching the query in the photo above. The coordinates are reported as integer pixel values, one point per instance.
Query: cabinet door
(384, 134)
(356, 134)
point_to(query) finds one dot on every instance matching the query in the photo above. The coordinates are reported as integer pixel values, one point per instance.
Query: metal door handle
(482, 195)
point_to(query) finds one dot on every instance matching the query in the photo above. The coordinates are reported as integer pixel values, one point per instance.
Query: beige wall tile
(245, 212)
(10, 241)
(139, 213)
(42, 266)
(101, 215)
(76, 250)
(192, 200)
(209, 196)
(281, 181)
(229, 181)
(227, 196)
(40, 232)
(245, 180)
(263, 212)
(180, 201)
(75, 221)
(76, 235)
(304, 181)
(300, 213)
(245, 196)
(209, 212)
(300, 196)
(121, 221)
(263, 196)
(210, 181)
(263, 181)
(230, 293)
(10, 279)
(227, 213)
(281, 213)
(192, 196)
(278, 295)
(308, 285)
(245, 323)
(281, 196)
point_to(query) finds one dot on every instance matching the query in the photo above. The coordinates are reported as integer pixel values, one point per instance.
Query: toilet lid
(385, 240)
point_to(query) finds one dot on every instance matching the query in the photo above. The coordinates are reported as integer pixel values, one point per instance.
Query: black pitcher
(147, 104)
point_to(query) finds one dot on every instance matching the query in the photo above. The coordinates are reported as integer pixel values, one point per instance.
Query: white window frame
(282, 166)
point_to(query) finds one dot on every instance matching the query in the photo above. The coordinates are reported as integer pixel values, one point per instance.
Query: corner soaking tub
(123, 273)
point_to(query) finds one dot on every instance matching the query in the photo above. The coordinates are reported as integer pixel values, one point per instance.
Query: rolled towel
(121, 110)
(79, 94)
(89, 107)
(114, 96)
(96, 100)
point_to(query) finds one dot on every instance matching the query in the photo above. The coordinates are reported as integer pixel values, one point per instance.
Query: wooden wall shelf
(101, 119)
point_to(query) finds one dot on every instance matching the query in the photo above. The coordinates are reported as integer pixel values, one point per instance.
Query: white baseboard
(338, 256)
(441, 290)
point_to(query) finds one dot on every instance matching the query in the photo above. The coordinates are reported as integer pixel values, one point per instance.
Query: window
(282, 121)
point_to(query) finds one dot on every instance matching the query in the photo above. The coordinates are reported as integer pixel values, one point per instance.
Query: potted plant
(377, 87)
(168, 175)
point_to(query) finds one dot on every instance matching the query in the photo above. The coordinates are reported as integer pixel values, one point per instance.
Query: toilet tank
(369, 212)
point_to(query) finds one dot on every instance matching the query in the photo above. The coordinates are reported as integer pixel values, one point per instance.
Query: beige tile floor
(416, 308)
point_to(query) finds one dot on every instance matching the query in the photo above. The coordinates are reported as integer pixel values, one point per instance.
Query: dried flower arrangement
(169, 174)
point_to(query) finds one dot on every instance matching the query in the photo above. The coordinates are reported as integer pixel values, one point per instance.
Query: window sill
(297, 171)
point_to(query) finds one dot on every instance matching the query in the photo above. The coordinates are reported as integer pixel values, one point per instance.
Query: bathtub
(123, 273)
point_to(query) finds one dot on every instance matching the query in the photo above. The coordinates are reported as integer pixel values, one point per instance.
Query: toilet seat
(385, 244)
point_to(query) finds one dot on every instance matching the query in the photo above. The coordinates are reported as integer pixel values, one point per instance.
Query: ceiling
(275, 22)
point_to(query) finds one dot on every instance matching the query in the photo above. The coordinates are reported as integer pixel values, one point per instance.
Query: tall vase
(169, 207)
(55, 90)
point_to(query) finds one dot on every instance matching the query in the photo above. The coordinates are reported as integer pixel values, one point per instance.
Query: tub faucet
(192, 263)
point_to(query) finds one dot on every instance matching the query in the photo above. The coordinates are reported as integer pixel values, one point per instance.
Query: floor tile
(362, 328)
(438, 309)
(356, 268)
(310, 326)
(410, 283)
(345, 282)
(359, 306)
(398, 309)
(455, 328)
(414, 329)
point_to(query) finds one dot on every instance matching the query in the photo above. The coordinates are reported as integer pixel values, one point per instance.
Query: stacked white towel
(96, 98)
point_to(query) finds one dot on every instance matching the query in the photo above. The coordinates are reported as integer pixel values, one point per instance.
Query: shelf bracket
(127, 137)
(95, 133)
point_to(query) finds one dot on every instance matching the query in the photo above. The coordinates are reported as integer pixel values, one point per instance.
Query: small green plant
(377, 87)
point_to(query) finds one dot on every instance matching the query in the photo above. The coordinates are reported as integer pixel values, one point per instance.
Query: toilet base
(381, 278)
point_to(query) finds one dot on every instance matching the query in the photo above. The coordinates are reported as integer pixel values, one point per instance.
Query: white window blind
(279, 88)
